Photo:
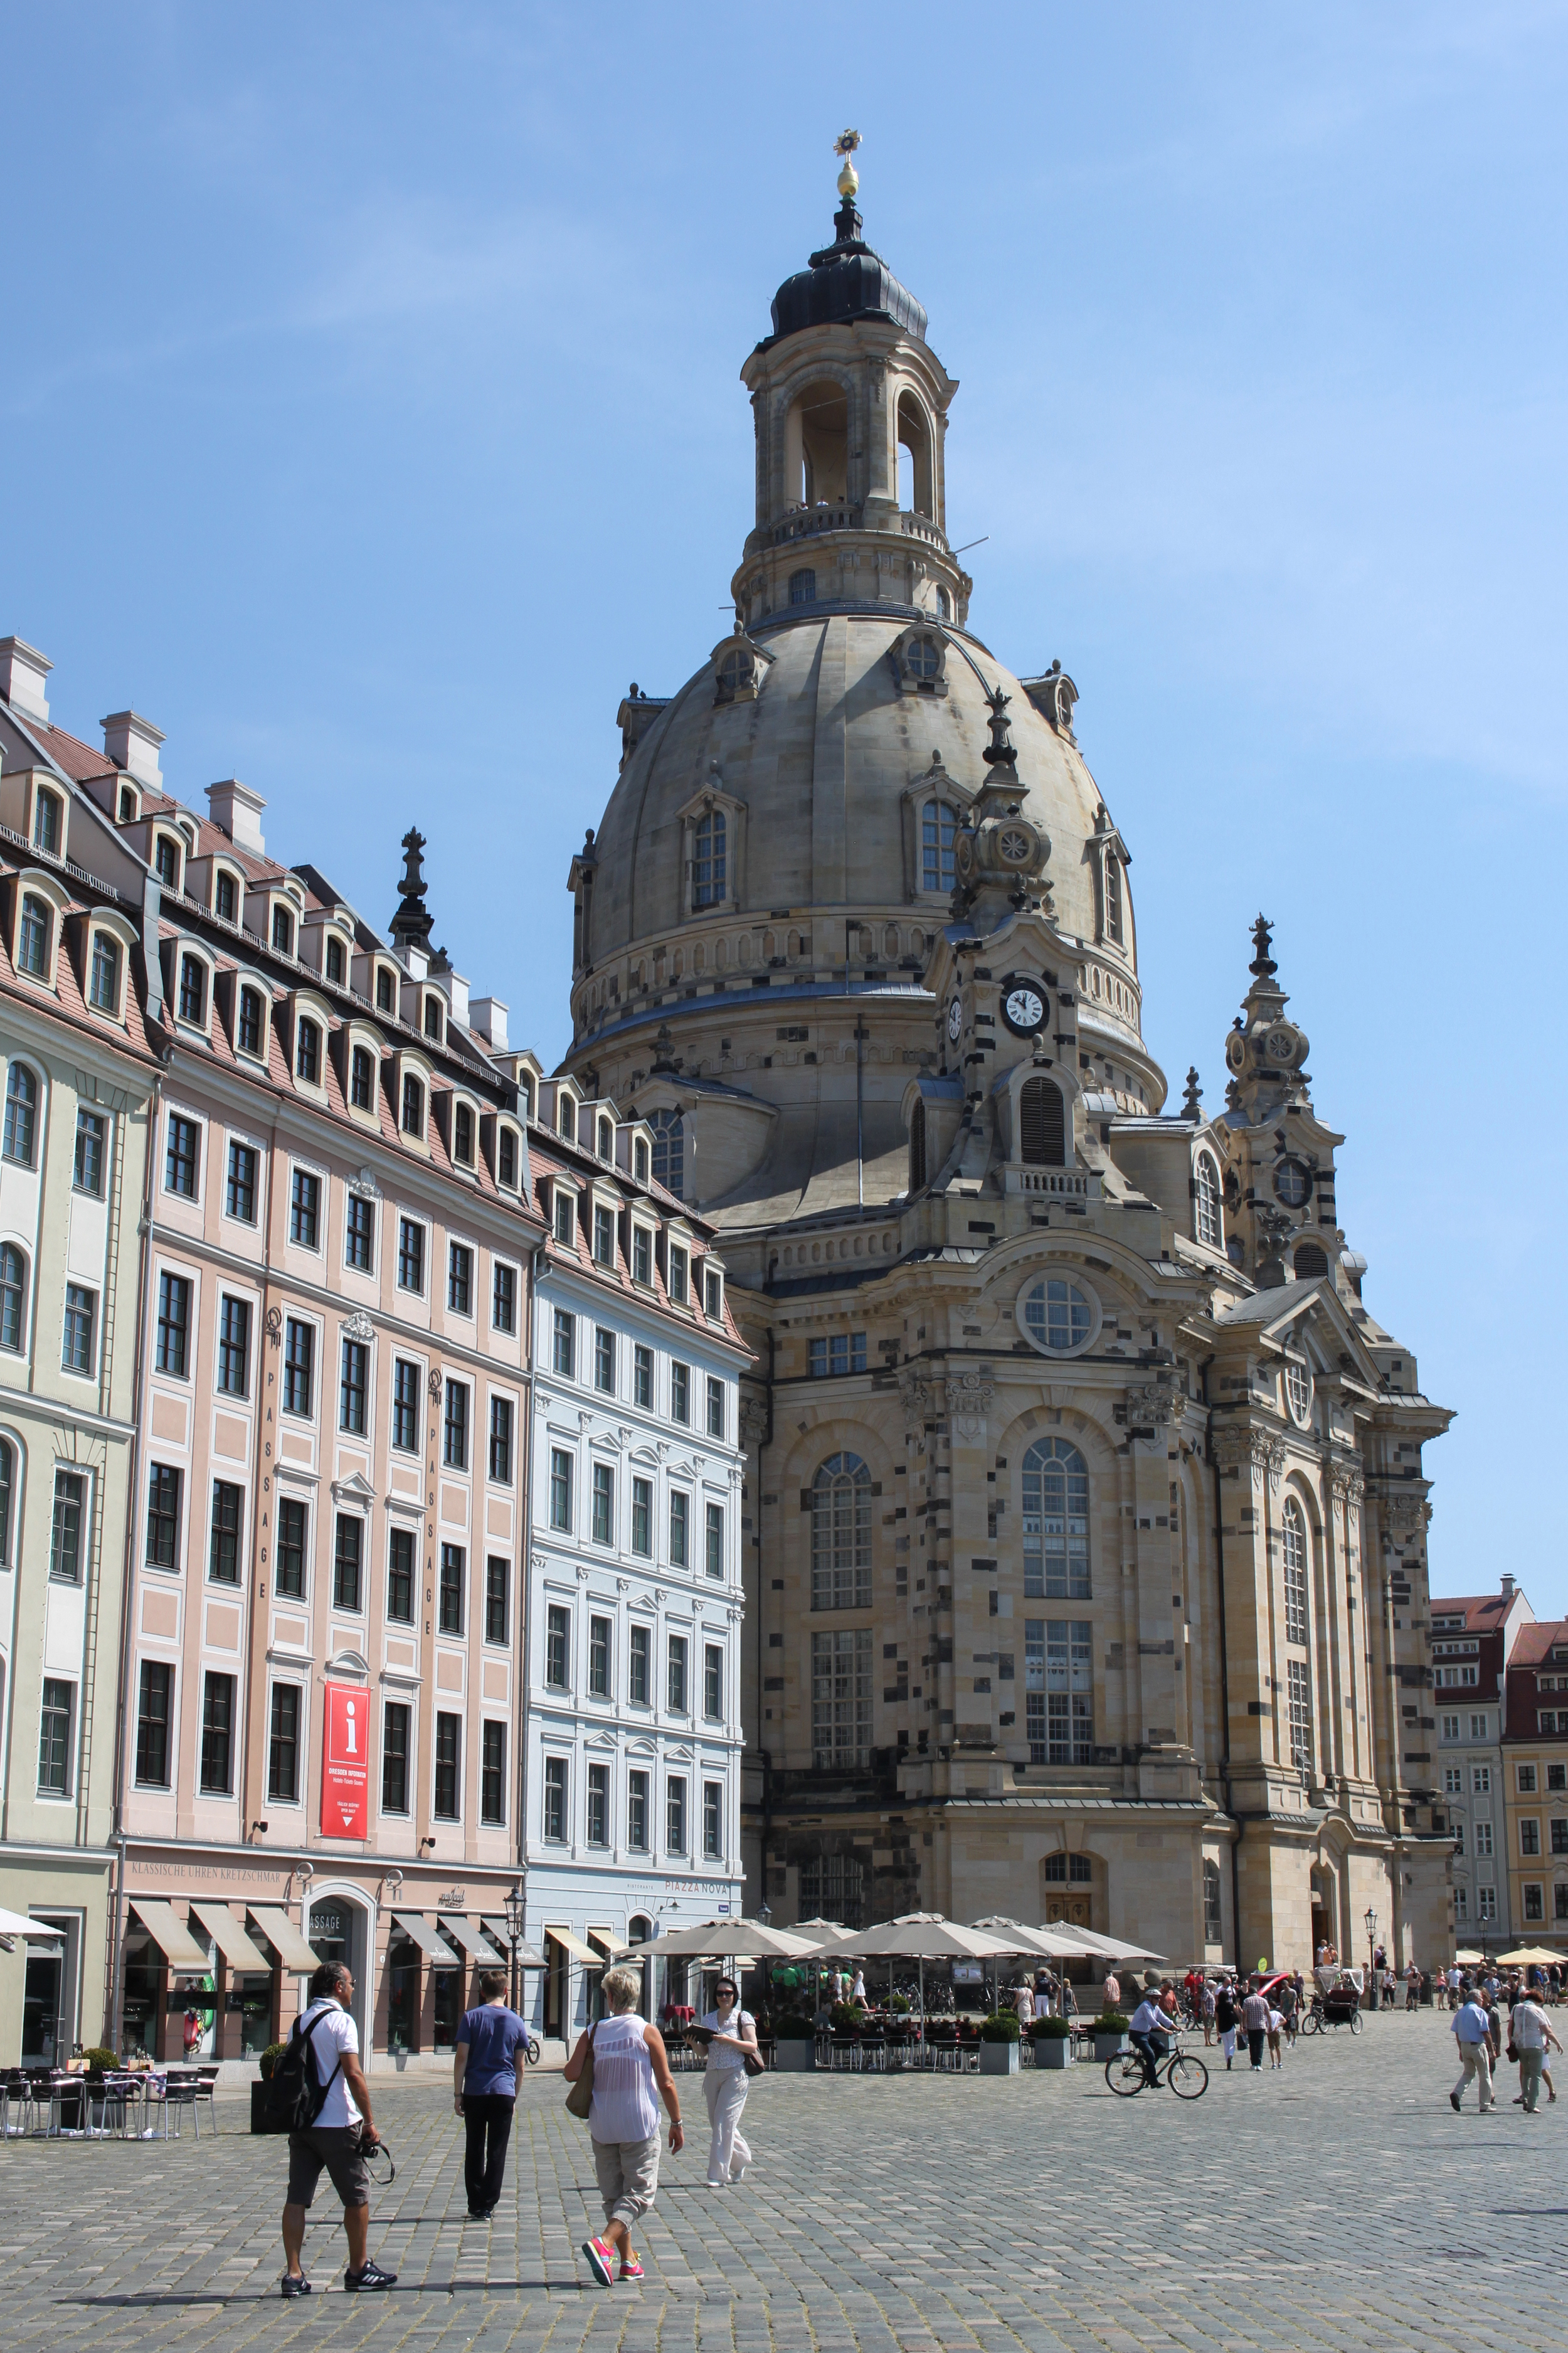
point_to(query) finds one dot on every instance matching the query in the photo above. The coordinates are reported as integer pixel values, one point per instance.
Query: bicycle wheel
(1355, 2021)
(1187, 2077)
(1124, 2074)
(1311, 2023)
(532, 2051)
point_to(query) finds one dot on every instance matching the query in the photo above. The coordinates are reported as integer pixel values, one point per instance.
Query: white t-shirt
(334, 2034)
(1527, 2026)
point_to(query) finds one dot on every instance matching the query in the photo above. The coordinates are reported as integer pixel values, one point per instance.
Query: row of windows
(79, 1331)
(1055, 1528)
(154, 1717)
(1534, 1902)
(604, 1364)
(294, 1555)
(601, 1682)
(638, 1536)
(556, 1820)
(570, 1209)
(307, 1201)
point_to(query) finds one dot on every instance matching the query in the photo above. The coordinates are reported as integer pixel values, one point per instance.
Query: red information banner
(345, 1764)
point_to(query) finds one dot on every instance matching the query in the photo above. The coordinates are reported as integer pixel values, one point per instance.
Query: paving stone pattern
(1340, 2204)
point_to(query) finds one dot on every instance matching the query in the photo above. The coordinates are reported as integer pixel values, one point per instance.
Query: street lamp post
(1371, 1926)
(516, 1920)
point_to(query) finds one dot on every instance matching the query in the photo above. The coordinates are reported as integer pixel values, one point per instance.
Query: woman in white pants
(732, 2032)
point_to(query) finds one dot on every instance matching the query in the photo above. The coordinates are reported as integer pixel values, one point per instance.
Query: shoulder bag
(580, 2097)
(751, 2060)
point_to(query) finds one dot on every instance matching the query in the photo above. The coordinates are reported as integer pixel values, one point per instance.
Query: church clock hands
(954, 1019)
(1023, 1009)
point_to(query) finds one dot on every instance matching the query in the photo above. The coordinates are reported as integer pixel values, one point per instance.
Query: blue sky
(370, 406)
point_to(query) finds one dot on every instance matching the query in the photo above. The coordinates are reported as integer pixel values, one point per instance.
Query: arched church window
(841, 1535)
(1212, 1932)
(669, 1150)
(1299, 1391)
(802, 588)
(1112, 897)
(1056, 1523)
(944, 605)
(923, 657)
(1207, 1204)
(708, 865)
(918, 1148)
(1042, 1125)
(1293, 1552)
(1310, 1263)
(939, 832)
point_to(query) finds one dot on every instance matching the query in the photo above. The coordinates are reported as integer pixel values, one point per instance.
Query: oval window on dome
(1057, 1316)
(923, 657)
(1293, 1184)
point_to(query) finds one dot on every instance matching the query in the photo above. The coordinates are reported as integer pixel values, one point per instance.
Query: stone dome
(825, 766)
(847, 279)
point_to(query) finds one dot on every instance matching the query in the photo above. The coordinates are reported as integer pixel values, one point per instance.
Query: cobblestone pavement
(1337, 2204)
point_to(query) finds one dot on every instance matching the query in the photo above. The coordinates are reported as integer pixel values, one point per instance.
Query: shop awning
(281, 1932)
(463, 1932)
(423, 1931)
(36, 1931)
(231, 1939)
(527, 1959)
(171, 1936)
(578, 1950)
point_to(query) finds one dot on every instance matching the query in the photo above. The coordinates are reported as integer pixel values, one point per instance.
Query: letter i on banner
(345, 1803)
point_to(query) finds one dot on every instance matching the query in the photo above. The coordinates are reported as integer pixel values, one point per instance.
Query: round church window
(1057, 1316)
(1293, 1184)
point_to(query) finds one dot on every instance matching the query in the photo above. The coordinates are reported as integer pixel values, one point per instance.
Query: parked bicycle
(1187, 2077)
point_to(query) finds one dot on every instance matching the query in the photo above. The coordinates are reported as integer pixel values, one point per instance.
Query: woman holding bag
(732, 2054)
(623, 2059)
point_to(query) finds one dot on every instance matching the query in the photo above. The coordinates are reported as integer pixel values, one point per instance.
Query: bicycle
(1187, 2077)
(532, 2050)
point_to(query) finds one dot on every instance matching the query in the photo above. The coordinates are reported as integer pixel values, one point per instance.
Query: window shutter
(1041, 1125)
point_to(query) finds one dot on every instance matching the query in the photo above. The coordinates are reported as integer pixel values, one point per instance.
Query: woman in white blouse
(731, 2034)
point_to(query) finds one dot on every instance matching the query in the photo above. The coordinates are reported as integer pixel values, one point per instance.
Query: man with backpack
(320, 2086)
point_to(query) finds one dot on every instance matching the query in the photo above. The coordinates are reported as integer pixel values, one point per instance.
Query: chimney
(238, 810)
(133, 745)
(488, 1016)
(1508, 1588)
(23, 670)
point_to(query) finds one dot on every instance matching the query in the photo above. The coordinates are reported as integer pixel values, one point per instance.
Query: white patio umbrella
(1048, 1943)
(1113, 1948)
(732, 1940)
(922, 1937)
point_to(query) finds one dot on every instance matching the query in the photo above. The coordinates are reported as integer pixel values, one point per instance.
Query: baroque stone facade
(1084, 1500)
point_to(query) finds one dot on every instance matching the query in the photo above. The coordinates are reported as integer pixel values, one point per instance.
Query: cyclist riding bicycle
(1153, 2023)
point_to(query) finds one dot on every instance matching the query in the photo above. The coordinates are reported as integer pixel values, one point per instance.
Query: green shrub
(1110, 2021)
(1052, 2030)
(846, 2017)
(98, 2059)
(791, 2027)
(269, 2058)
(900, 2005)
(1002, 2026)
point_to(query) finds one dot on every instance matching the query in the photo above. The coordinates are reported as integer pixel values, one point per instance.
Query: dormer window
(920, 657)
(939, 823)
(713, 1295)
(250, 1028)
(923, 657)
(283, 930)
(640, 1160)
(103, 974)
(506, 1158)
(413, 1105)
(736, 674)
(46, 823)
(166, 861)
(607, 1140)
(679, 1284)
(463, 1135)
(565, 1217)
(432, 1020)
(525, 1096)
(226, 897)
(566, 1115)
(128, 808)
(385, 990)
(335, 960)
(709, 861)
(35, 935)
(308, 1052)
(194, 991)
(1113, 928)
(362, 1078)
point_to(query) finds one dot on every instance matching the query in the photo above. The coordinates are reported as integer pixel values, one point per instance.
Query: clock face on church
(954, 1019)
(1023, 1009)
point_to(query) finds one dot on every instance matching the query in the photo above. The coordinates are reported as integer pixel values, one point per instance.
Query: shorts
(340, 2149)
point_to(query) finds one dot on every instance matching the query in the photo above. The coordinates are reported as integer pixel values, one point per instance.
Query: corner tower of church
(1085, 1505)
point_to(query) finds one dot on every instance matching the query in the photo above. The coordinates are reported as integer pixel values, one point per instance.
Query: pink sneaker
(601, 2259)
(630, 2267)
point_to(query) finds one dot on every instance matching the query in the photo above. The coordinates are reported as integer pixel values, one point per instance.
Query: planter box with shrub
(795, 2045)
(1053, 2043)
(999, 2043)
(1109, 2034)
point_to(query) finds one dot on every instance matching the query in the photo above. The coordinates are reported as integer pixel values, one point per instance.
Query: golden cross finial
(849, 178)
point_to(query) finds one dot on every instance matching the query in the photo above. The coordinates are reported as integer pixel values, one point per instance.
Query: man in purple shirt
(487, 2068)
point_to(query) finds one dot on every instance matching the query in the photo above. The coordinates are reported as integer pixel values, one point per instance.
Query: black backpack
(295, 2092)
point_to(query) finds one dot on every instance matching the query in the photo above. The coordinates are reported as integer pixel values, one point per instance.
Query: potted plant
(261, 2122)
(999, 2043)
(794, 2043)
(1109, 2032)
(1053, 2043)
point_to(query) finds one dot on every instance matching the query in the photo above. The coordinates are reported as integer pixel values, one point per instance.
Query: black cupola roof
(845, 281)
